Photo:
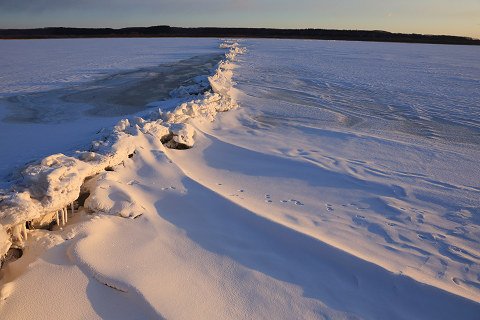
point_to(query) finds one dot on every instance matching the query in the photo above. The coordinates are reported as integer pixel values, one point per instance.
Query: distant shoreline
(207, 32)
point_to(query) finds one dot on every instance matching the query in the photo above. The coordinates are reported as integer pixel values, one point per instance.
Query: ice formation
(51, 186)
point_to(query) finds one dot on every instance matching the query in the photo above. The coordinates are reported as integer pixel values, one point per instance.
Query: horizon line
(267, 28)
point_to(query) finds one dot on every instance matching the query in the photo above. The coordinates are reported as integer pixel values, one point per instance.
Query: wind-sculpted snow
(384, 139)
(52, 185)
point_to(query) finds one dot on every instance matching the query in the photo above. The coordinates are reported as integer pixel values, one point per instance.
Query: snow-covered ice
(344, 187)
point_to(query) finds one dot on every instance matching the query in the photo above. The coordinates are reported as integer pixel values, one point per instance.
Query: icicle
(71, 207)
(24, 231)
(63, 217)
(58, 219)
(66, 214)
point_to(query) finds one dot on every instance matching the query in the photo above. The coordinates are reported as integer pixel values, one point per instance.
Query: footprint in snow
(296, 202)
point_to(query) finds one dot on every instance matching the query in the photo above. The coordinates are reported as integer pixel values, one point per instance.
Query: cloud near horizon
(140, 5)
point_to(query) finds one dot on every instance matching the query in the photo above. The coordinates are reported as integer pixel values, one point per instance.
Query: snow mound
(55, 183)
(108, 196)
(55, 180)
(5, 242)
(182, 136)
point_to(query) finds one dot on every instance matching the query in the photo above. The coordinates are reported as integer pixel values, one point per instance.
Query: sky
(452, 17)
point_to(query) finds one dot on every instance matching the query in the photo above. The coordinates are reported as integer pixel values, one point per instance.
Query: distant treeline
(167, 31)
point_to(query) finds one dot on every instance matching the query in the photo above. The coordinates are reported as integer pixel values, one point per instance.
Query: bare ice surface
(28, 66)
(116, 95)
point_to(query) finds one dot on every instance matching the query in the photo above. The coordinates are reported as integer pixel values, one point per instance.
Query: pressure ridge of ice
(54, 183)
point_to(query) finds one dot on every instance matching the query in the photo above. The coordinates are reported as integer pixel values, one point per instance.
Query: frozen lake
(345, 186)
(56, 94)
(39, 65)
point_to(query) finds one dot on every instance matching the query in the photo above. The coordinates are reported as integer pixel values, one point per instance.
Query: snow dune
(281, 209)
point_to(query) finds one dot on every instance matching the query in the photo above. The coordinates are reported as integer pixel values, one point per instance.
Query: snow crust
(55, 182)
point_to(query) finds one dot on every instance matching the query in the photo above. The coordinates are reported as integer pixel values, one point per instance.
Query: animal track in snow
(298, 203)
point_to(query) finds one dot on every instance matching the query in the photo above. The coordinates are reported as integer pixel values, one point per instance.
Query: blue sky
(459, 17)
